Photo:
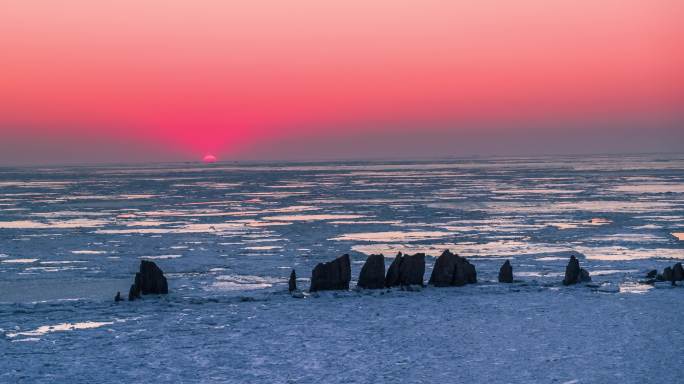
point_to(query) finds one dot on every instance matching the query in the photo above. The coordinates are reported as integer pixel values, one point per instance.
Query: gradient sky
(137, 80)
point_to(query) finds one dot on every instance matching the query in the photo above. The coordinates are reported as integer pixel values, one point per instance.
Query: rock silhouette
(292, 283)
(677, 273)
(333, 275)
(392, 278)
(150, 280)
(506, 273)
(652, 274)
(452, 270)
(574, 274)
(667, 274)
(372, 274)
(118, 298)
(406, 270)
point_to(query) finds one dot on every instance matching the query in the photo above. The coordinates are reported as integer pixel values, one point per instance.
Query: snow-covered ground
(228, 235)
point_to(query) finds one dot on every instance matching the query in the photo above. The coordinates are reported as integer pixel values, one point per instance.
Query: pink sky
(171, 79)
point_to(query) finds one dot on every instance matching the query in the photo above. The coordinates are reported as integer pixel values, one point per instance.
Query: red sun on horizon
(208, 159)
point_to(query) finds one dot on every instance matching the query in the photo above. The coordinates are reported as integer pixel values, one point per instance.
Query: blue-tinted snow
(227, 236)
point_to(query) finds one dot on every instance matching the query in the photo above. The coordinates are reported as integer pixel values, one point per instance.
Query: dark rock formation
(150, 280)
(584, 276)
(406, 270)
(667, 274)
(134, 292)
(506, 273)
(452, 270)
(118, 298)
(372, 274)
(412, 270)
(574, 274)
(677, 272)
(392, 278)
(333, 275)
(292, 283)
(652, 274)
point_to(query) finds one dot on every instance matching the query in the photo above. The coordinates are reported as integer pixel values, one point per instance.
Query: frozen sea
(227, 236)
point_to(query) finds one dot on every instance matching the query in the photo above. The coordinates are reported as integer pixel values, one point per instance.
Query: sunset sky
(153, 80)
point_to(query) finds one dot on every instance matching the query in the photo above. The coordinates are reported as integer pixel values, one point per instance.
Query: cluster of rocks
(404, 271)
(450, 270)
(672, 274)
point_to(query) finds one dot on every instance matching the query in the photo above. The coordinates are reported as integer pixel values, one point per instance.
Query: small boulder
(292, 283)
(652, 274)
(333, 275)
(118, 298)
(506, 273)
(574, 274)
(372, 274)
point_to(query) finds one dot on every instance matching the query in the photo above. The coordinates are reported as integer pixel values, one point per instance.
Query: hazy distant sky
(137, 80)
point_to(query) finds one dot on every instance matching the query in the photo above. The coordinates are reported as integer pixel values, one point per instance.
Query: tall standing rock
(412, 270)
(667, 274)
(149, 280)
(406, 270)
(392, 278)
(444, 270)
(506, 273)
(372, 274)
(152, 280)
(333, 275)
(573, 272)
(677, 272)
(292, 283)
(452, 270)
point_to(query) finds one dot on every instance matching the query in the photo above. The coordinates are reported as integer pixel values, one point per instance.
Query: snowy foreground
(227, 237)
(479, 334)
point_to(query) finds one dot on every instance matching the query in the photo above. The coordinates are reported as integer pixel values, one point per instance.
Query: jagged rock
(392, 278)
(333, 275)
(506, 273)
(150, 280)
(574, 274)
(118, 298)
(667, 274)
(452, 270)
(372, 274)
(444, 270)
(406, 270)
(134, 292)
(584, 276)
(412, 270)
(677, 272)
(652, 274)
(292, 283)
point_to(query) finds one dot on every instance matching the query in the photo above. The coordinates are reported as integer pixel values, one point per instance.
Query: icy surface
(227, 236)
